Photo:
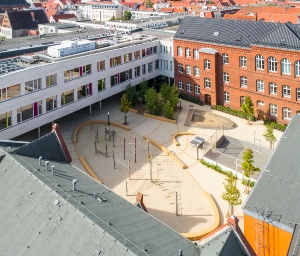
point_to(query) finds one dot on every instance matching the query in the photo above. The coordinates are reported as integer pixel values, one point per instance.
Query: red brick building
(222, 61)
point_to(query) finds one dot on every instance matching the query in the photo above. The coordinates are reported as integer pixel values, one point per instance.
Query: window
(272, 64)
(137, 71)
(166, 64)
(260, 62)
(137, 55)
(101, 85)
(187, 52)
(188, 69)
(143, 53)
(286, 91)
(156, 64)
(84, 91)
(225, 58)
(150, 66)
(115, 61)
(10, 92)
(197, 88)
(171, 65)
(180, 68)
(225, 78)
(101, 65)
(298, 94)
(127, 57)
(144, 69)
(260, 103)
(287, 113)
(189, 87)
(243, 61)
(51, 103)
(115, 79)
(180, 85)
(196, 54)
(179, 51)
(242, 99)
(260, 87)
(67, 97)
(196, 71)
(33, 85)
(51, 80)
(297, 68)
(77, 72)
(285, 67)
(207, 83)
(5, 120)
(273, 110)
(243, 81)
(206, 64)
(273, 88)
(155, 49)
(226, 97)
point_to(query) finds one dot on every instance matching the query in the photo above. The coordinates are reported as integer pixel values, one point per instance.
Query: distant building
(19, 23)
(8, 5)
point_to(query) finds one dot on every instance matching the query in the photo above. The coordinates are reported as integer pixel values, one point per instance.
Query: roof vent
(102, 199)
(216, 33)
(180, 253)
(74, 184)
(52, 169)
(47, 164)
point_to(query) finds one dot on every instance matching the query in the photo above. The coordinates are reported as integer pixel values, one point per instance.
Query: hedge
(190, 98)
(274, 125)
(233, 112)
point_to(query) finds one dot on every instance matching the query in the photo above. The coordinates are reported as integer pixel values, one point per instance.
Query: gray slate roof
(128, 225)
(239, 33)
(276, 196)
(224, 242)
(7, 3)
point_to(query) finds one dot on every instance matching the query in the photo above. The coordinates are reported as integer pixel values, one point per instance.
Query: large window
(51, 80)
(137, 71)
(206, 64)
(207, 83)
(101, 85)
(180, 85)
(84, 91)
(273, 88)
(260, 62)
(189, 87)
(115, 61)
(114, 79)
(188, 69)
(272, 64)
(67, 97)
(144, 69)
(243, 61)
(225, 78)
(226, 97)
(156, 64)
(10, 92)
(77, 72)
(5, 120)
(225, 58)
(196, 71)
(125, 76)
(137, 54)
(286, 91)
(33, 85)
(260, 86)
(127, 57)
(196, 54)
(287, 113)
(101, 65)
(197, 88)
(285, 67)
(179, 51)
(243, 81)
(150, 67)
(298, 94)
(297, 68)
(273, 110)
(180, 68)
(187, 52)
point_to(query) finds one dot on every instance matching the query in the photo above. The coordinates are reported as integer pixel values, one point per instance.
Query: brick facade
(261, 98)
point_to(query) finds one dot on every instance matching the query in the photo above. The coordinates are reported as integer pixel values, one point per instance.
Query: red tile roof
(63, 16)
(169, 9)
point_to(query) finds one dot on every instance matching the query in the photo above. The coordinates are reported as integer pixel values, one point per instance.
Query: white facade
(44, 92)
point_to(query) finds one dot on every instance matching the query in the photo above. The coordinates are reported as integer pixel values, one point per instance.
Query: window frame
(260, 85)
(225, 58)
(272, 64)
(259, 62)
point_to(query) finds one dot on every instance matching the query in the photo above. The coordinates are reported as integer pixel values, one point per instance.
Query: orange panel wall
(265, 239)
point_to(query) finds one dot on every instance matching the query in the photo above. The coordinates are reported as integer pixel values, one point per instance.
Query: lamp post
(108, 123)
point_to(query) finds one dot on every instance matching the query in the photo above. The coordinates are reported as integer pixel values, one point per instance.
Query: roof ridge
(290, 29)
(272, 31)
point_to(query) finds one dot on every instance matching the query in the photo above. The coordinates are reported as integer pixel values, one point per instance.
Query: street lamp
(108, 123)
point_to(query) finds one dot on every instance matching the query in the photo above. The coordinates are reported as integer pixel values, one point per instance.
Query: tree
(131, 94)
(143, 88)
(2, 38)
(232, 194)
(168, 110)
(125, 106)
(153, 101)
(248, 108)
(269, 135)
(248, 168)
(112, 18)
(126, 15)
(170, 93)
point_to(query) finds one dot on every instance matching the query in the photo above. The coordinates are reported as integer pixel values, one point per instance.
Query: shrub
(244, 182)
(215, 167)
(274, 125)
(233, 112)
(190, 98)
(168, 110)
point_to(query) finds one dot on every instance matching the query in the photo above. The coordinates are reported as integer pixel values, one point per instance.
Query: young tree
(269, 136)
(168, 110)
(248, 167)
(131, 94)
(165, 91)
(127, 15)
(232, 194)
(125, 106)
(248, 108)
(153, 101)
(143, 88)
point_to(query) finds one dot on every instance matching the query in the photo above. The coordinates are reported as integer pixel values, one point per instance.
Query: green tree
(248, 108)
(168, 110)
(126, 15)
(269, 135)
(2, 38)
(248, 168)
(165, 91)
(143, 89)
(153, 101)
(125, 106)
(170, 93)
(131, 94)
(232, 194)
(112, 18)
